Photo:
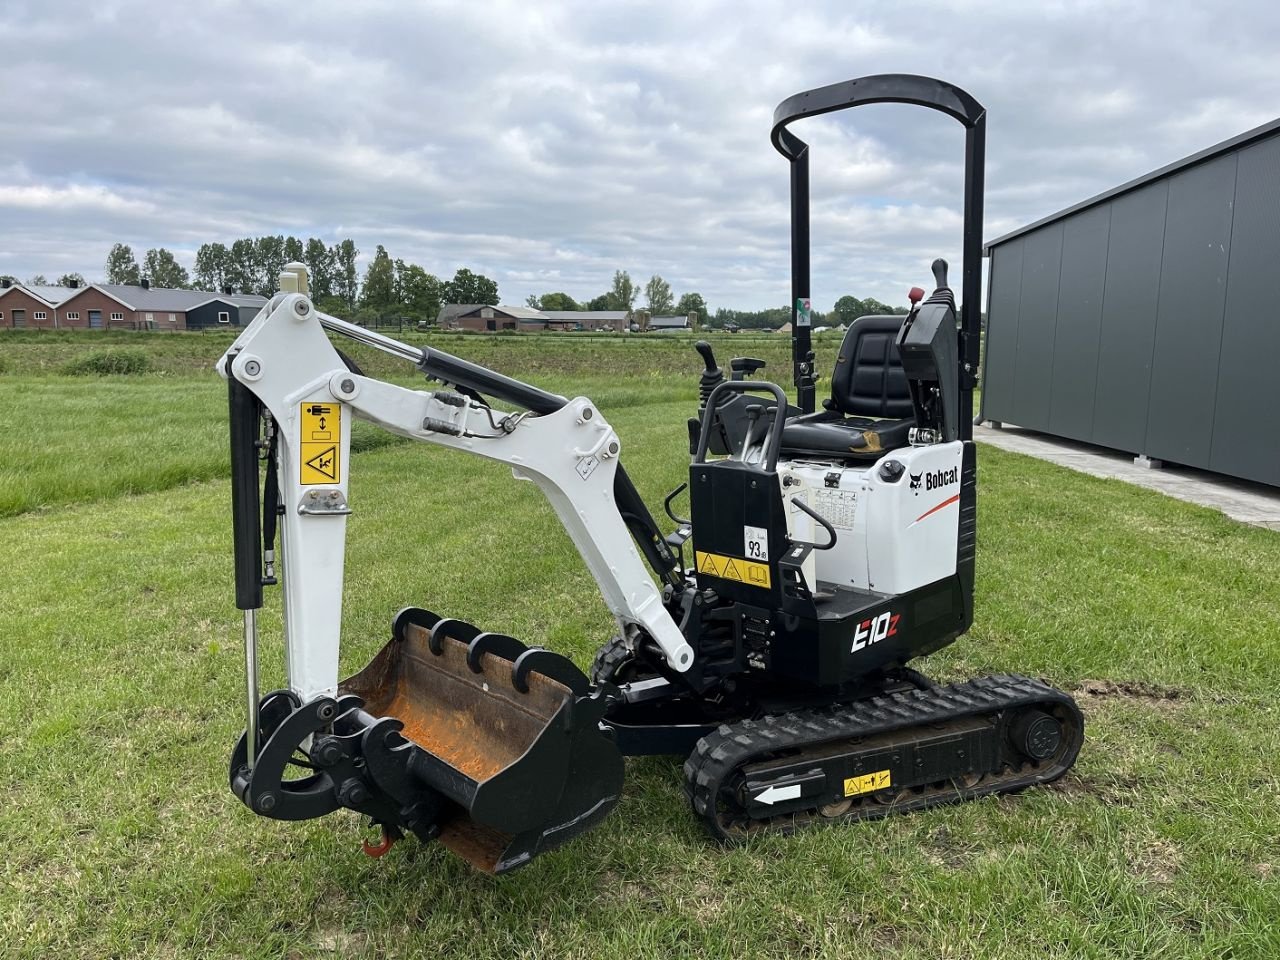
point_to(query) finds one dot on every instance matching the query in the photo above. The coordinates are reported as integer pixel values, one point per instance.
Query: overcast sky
(546, 144)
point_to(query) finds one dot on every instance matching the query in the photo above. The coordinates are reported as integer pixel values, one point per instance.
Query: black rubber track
(711, 768)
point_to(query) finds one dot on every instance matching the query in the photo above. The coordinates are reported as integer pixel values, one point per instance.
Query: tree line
(846, 310)
(40, 280)
(253, 265)
(395, 287)
(659, 299)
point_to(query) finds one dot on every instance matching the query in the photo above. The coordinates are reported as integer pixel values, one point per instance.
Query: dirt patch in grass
(1157, 860)
(945, 849)
(1117, 789)
(1131, 691)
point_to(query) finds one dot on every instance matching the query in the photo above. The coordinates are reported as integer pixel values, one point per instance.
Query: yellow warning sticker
(321, 443)
(867, 783)
(733, 568)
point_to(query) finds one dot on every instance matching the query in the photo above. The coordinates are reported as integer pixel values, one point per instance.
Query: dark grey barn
(1146, 319)
(225, 310)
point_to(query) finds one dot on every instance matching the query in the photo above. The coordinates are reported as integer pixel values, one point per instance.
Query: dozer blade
(509, 735)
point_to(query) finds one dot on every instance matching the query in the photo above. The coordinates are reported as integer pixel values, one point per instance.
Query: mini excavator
(768, 637)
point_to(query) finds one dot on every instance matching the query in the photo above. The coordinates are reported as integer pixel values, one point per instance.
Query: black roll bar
(887, 88)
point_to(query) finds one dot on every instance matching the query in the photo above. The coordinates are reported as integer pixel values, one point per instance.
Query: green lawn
(121, 688)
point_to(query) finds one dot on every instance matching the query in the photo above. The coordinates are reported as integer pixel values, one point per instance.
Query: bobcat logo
(916, 479)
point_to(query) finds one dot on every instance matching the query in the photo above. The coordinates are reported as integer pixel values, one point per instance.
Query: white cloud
(548, 144)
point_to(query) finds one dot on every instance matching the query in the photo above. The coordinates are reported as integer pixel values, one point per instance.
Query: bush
(104, 363)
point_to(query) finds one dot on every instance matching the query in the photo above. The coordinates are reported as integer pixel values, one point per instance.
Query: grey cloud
(548, 144)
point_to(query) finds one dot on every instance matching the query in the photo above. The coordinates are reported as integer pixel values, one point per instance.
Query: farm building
(224, 309)
(120, 306)
(1142, 319)
(31, 306)
(586, 319)
(663, 324)
(478, 316)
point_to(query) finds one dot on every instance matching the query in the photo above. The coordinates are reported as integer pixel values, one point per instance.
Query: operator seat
(870, 409)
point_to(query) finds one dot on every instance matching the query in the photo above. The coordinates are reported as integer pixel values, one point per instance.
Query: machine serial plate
(320, 443)
(733, 568)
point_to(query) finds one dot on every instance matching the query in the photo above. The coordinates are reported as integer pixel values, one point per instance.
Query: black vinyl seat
(870, 408)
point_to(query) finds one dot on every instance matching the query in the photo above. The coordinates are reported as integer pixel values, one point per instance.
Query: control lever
(940, 277)
(754, 412)
(744, 367)
(712, 376)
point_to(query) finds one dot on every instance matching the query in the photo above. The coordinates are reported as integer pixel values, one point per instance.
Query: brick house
(32, 307)
(480, 317)
(121, 307)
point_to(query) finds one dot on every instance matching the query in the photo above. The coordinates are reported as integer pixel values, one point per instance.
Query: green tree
(8, 280)
(875, 307)
(468, 287)
(293, 252)
(554, 301)
(122, 266)
(693, 303)
(269, 253)
(602, 302)
(242, 266)
(346, 282)
(759, 319)
(418, 291)
(623, 294)
(39, 280)
(212, 260)
(320, 267)
(334, 306)
(72, 280)
(163, 269)
(848, 309)
(379, 292)
(658, 298)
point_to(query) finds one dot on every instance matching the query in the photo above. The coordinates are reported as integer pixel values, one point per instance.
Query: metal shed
(235, 310)
(1145, 319)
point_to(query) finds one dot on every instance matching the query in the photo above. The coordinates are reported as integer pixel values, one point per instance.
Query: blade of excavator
(509, 734)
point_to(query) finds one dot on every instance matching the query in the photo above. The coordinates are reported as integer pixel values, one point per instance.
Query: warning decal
(321, 436)
(868, 783)
(732, 568)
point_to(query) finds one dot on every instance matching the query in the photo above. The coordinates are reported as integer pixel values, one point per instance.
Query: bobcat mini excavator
(827, 550)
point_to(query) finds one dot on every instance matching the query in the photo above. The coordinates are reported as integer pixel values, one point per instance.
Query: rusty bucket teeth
(485, 718)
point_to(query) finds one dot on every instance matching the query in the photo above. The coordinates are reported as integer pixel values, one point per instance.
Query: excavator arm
(292, 402)
(572, 453)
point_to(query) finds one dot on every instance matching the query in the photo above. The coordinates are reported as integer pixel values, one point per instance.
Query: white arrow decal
(774, 794)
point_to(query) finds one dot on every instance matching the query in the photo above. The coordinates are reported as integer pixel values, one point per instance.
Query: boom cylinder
(246, 526)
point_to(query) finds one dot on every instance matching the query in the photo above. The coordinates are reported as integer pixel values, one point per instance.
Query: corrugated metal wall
(1149, 322)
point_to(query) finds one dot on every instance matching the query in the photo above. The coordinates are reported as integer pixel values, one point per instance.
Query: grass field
(121, 687)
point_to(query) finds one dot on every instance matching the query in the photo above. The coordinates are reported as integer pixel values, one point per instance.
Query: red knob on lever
(915, 296)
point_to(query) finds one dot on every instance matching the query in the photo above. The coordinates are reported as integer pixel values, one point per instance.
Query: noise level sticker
(868, 783)
(732, 568)
(321, 443)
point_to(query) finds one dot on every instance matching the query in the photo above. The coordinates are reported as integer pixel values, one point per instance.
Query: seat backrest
(869, 380)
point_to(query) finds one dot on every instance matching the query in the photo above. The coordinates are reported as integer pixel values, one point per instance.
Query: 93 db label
(756, 543)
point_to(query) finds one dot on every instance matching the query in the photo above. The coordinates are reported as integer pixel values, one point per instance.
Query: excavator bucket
(509, 736)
